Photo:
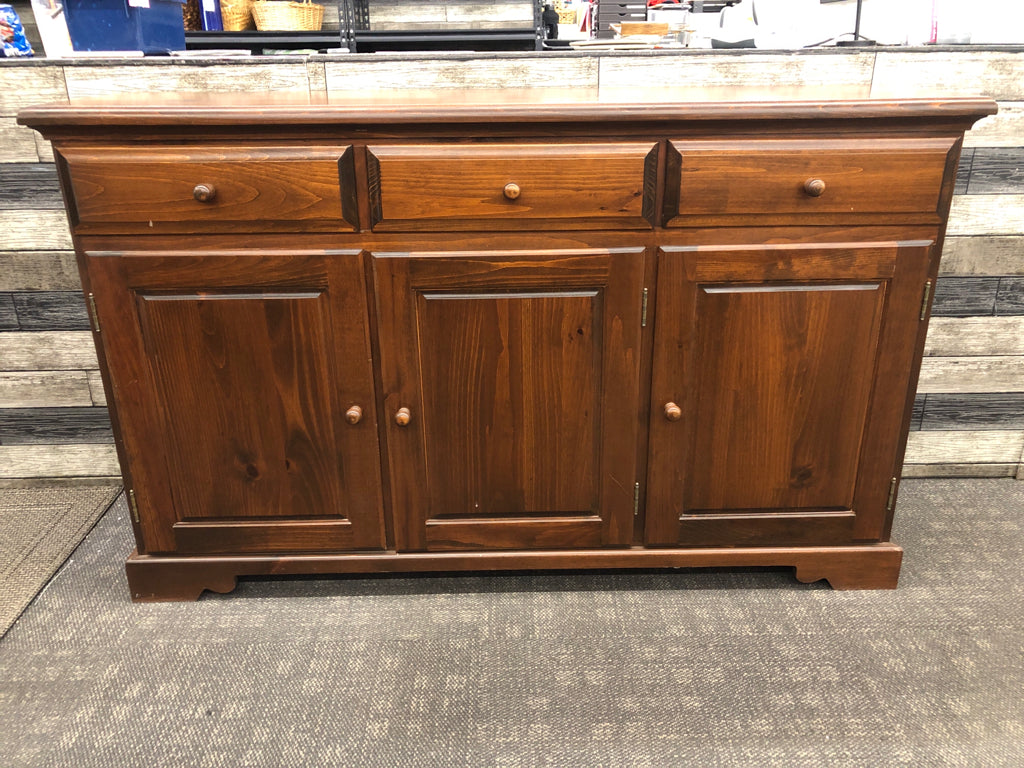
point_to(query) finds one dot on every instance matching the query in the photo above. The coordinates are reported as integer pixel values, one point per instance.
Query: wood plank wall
(969, 415)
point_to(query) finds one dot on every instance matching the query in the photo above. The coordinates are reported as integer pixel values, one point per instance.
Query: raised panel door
(511, 383)
(235, 376)
(780, 377)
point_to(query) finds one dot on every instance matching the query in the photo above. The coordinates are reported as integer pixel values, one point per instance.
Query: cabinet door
(518, 373)
(233, 375)
(790, 366)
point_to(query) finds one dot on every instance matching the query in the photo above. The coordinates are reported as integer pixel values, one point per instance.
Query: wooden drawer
(212, 189)
(502, 186)
(781, 181)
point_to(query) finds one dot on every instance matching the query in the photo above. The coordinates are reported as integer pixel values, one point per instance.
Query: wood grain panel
(47, 350)
(54, 426)
(958, 470)
(316, 76)
(38, 271)
(997, 171)
(972, 374)
(960, 337)
(58, 461)
(1002, 410)
(29, 187)
(51, 311)
(966, 447)
(255, 188)
(462, 73)
(22, 86)
(747, 70)
(964, 296)
(987, 215)
(994, 73)
(1010, 297)
(107, 80)
(35, 231)
(963, 172)
(19, 144)
(463, 187)
(40, 389)
(8, 317)
(983, 255)
(1005, 129)
(96, 391)
(525, 533)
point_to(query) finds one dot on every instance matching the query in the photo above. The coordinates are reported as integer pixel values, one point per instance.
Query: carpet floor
(39, 528)
(703, 668)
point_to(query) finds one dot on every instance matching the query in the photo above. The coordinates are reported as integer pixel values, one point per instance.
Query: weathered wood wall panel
(969, 410)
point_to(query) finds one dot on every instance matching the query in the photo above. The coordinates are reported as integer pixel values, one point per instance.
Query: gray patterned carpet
(39, 528)
(709, 668)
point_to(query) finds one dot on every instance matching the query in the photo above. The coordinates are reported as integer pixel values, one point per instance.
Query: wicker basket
(236, 15)
(278, 15)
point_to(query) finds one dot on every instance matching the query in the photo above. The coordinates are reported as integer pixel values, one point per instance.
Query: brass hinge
(94, 314)
(134, 504)
(892, 495)
(643, 311)
(636, 499)
(924, 300)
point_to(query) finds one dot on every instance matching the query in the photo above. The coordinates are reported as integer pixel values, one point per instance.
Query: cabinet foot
(868, 569)
(152, 579)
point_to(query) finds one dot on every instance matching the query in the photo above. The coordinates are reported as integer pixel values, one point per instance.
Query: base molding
(154, 578)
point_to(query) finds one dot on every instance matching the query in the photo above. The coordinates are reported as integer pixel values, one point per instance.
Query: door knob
(673, 412)
(511, 191)
(402, 417)
(354, 414)
(814, 187)
(204, 193)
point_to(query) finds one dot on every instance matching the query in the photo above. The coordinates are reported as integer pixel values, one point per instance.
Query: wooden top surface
(506, 105)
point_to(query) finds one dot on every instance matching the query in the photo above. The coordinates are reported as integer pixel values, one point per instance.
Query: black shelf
(369, 41)
(257, 42)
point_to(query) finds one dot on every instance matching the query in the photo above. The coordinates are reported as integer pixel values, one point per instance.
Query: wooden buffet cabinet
(490, 330)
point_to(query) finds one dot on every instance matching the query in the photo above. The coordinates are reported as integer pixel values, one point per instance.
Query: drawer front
(212, 189)
(800, 181)
(574, 186)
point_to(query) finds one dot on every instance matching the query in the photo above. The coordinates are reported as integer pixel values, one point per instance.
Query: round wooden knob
(673, 412)
(814, 187)
(354, 414)
(402, 417)
(511, 191)
(204, 193)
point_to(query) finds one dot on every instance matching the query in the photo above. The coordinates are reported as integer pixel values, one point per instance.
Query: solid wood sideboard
(462, 331)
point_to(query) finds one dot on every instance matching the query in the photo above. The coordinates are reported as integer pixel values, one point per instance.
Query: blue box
(114, 25)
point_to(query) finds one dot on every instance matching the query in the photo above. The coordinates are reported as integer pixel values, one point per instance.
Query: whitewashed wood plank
(983, 255)
(748, 69)
(986, 215)
(990, 73)
(383, 15)
(44, 149)
(177, 78)
(38, 271)
(964, 336)
(96, 393)
(23, 86)
(58, 461)
(316, 76)
(42, 389)
(971, 374)
(47, 350)
(984, 447)
(504, 14)
(60, 482)
(35, 231)
(1005, 129)
(17, 143)
(958, 470)
(511, 72)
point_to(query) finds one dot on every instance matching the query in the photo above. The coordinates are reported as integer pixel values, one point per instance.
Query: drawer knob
(402, 417)
(673, 412)
(354, 414)
(204, 193)
(814, 187)
(511, 191)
